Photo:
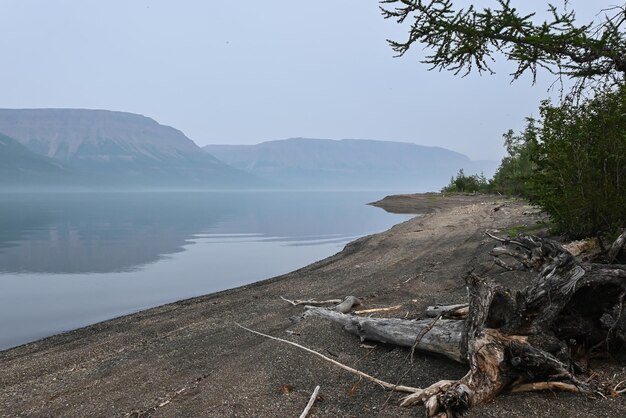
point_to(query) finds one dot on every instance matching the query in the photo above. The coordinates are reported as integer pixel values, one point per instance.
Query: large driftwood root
(535, 339)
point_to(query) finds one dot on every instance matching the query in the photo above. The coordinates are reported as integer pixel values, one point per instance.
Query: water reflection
(99, 233)
(116, 232)
(71, 260)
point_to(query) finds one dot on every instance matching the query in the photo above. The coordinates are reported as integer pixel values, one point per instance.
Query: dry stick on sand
(344, 305)
(509, 339)
(422, 334)
(366, 311)
(312, 302)
(418, 339)
(386, 385)
(619, 392)
(311, 402)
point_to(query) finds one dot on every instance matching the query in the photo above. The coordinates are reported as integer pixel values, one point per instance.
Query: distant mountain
(116, 149)
(347, 163)
(21, 167)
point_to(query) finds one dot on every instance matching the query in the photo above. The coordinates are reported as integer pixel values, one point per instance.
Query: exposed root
(422, 395)
(539, 386)
(539, 338)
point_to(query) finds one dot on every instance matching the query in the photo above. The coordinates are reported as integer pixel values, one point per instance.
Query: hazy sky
(251, 71)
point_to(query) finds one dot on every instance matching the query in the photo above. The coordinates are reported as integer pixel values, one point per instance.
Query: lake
(70, 260)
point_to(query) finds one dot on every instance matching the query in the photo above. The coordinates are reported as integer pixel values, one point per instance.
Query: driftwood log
(534, 339)
(442, 337)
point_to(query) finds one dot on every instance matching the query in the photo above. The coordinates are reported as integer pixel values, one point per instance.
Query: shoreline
(187, 358)
(206, 297)
(186, 247)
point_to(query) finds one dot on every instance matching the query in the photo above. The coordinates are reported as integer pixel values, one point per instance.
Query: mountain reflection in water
(68, 260)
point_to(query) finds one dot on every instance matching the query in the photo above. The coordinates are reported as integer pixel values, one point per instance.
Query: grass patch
(526, 229)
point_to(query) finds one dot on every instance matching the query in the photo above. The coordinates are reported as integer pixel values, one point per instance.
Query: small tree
(580, 156)
(467, 184)
(516, 169)
(543, 336)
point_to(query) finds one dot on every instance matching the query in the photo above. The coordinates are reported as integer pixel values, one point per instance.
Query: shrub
(469, 184)
(516, 169)
(579, 177)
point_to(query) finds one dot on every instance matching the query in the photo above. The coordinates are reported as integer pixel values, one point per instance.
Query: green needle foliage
(571, 162)
(462, 40)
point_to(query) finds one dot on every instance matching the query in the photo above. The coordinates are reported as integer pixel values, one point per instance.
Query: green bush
(571, 163)
(513, 176)
(579, 177)
(467, 184)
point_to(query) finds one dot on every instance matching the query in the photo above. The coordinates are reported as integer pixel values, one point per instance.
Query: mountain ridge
(348, 163)
(21, 167)
(64, 133)
(112, 149)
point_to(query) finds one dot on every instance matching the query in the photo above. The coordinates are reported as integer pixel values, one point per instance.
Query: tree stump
(538, 338)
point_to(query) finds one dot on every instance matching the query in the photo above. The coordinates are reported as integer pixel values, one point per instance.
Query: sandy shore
(189, 359)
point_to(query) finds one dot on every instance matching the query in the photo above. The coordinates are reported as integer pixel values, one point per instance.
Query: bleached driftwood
(617, 247)
(375, 310)
(534, 339)
(309, 405)
(443, 338)
(456, 311)
(312, 302)
(344, 305)
(347, 304)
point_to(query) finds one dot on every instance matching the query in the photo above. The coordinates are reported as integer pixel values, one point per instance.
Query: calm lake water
(71, 260)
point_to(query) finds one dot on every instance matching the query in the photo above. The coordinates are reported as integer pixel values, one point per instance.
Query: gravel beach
(189, 358)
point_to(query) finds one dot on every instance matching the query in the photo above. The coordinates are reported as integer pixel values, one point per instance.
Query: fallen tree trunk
(534, 339)
(440, 337)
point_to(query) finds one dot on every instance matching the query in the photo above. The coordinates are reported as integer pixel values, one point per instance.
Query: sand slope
(189, 359)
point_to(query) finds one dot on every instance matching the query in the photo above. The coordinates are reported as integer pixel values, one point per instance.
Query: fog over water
(74, 259)
(220, 73)
(247, 72)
